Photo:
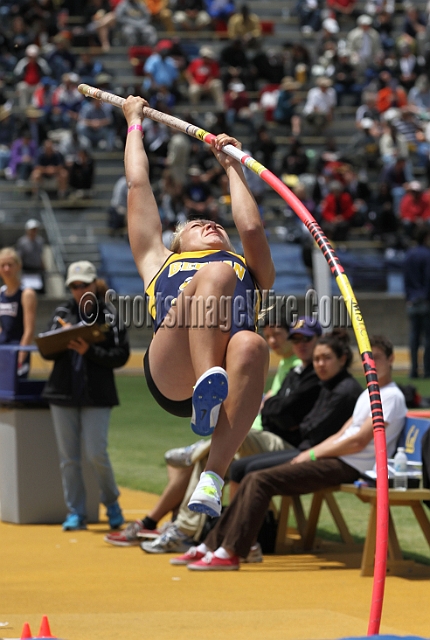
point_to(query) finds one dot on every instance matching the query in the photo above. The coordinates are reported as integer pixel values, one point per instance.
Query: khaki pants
(255, 442)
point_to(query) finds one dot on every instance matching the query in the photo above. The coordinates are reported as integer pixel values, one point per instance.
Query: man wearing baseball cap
(81, 393)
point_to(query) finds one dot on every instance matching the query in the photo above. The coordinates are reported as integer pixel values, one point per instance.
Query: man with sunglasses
(81, 393)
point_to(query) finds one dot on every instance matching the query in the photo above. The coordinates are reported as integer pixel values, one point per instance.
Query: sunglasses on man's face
(297, 339)
(75, 286)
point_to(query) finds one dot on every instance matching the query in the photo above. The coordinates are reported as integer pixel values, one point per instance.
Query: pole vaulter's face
(199, 235)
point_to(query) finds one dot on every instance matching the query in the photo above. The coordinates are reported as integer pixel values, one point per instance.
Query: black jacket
(334, 406)
(88, 380)
(283, 413)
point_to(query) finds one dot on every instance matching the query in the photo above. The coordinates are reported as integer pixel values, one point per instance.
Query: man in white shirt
(341, 458)
(320, 103)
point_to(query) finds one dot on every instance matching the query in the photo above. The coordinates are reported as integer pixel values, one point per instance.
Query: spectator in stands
(337, 212)
(341, 458)
(408, 68)
(234, 64)
(42, 99)
(419, 96)
(385, 222)
(23, 157)
(363, 42)
(198, 199)
(17, 308)
(203, 77)
(245, 25)
(392, 143)
(99, 19)
(220, 11)
(285, 111)
(81, 174)
(327, 37)
(390, 95)
(414, 27)
(117, 212)
(66, 102)
(81, 393)
(30, 247)
(178, 158)
(264, 147)
(191, 15)
(397, 175)
(345, 79)
(237, 105)
(309, 12)
(133, 19)
(384, 25)
(28, 73)
(88, 67)
(160, 14)
(293, 395)
(341, 7)
(320, 104)
(95, 125)
(61, 60)
(417, 290)
(50, 166)
(267, 63)
(19, 37)
(414, 207)
(367, 109)
(364, 149)
(295, 161)
(36, 125)
(161, 70)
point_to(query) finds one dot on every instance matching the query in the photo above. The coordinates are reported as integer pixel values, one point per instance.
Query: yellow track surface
(92, 591)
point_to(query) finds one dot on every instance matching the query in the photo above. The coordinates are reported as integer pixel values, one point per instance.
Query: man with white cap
(363, 42)
(81, 393)
(29, 71)
(203, 77)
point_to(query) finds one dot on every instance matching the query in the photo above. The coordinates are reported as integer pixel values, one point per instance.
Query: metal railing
(53, 232)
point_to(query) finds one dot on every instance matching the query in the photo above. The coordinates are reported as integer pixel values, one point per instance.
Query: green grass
(141, 432)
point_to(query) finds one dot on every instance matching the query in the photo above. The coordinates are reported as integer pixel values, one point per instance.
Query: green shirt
(284, 367)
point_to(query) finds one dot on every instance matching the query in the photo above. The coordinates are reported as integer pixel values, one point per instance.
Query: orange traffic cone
(26, 633)
(45, 631)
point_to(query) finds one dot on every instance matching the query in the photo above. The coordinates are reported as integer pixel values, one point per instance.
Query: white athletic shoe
(207, 495)
(210, 391)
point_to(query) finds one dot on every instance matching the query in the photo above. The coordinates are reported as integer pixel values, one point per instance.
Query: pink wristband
(137, 127)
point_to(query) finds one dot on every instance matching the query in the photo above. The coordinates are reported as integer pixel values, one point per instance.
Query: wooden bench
(415, 426)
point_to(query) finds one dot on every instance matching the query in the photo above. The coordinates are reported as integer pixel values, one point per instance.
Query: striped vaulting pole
(352, 309)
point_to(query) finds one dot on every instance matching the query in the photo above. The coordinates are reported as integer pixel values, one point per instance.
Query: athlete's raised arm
(246, 216)
(144, 224)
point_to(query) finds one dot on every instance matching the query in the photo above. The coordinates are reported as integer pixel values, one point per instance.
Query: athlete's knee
(250, 349)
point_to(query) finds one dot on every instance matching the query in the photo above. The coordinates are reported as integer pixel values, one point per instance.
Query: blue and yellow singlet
(179, 269)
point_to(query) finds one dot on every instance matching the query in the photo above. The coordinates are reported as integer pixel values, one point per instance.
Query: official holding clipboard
(81, 393)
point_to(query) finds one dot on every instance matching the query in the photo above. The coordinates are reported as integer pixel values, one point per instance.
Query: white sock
(203, 548)
(223, 554)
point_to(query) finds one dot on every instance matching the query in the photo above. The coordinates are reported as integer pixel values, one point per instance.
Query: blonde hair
(9, 252)
(175, 244)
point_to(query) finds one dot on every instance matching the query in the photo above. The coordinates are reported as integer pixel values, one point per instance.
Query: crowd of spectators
(374, 59)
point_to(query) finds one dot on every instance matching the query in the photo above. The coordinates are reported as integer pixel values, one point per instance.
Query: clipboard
(57, 340)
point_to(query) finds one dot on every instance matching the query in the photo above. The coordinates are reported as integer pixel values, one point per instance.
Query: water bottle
(401, 470)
